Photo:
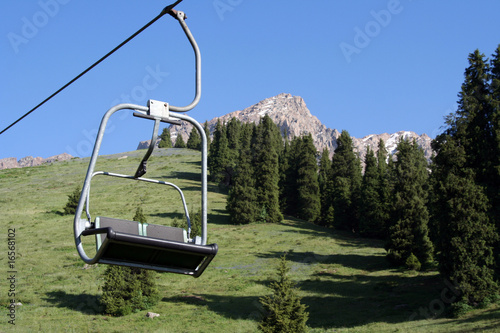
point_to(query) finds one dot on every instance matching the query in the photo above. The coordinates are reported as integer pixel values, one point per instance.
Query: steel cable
(166, 10)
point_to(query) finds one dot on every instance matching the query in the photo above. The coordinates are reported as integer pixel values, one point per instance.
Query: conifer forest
(446, 212)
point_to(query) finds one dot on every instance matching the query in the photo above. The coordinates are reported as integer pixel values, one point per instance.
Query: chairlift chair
(149, 246)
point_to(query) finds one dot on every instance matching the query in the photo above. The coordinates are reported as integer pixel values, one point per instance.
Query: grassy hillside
(345, 281)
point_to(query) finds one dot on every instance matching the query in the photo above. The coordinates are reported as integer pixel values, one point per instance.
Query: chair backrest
(140, 229)
(164, 232)
(128, 227)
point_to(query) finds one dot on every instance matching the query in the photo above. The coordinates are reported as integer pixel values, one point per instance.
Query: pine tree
(165, 140)
(384, 187)
(289, 176)
(475, 118)
(194, 140)
(284, 311)
(474, 124)
(242, 201)
(72, 202)
(346, 181)
(285, 180)
(371, 220)
(195, 218)
(309, 206)
(494, 183)
(325, 189)
(129, 289)
(495, 101)
(465, 185)
(213, 165)
(408, 233)
(267, 146)
(465, 235)
(219, 155)
(179, 142)
(233, 133)
(207, 134)
(299, 182)
(233, 130)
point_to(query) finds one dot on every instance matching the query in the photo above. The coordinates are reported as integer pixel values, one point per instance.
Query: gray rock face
(29, 161)
(293, 117)
(8, 163)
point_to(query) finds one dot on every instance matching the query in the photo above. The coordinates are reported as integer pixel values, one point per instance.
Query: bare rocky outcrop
(57, 158)
(8, 163)
(30, 161)
(295, 119)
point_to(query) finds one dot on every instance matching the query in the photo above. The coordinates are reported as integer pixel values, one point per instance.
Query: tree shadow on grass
(220, 217)
(192, 177)
(347, 301)
(355, 261)
(345, 238)
(195, 176)
(492, 316)
(55, 212)
(336, 300)
(232, 307)
(84, 303)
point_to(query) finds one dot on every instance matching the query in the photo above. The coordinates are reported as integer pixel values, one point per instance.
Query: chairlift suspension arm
(166, 252)
(181, 16)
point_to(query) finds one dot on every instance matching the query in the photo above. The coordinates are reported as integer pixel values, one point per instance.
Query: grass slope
(345, 281)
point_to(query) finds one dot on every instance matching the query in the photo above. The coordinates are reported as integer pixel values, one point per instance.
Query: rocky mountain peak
(293, 117)
(289, 112)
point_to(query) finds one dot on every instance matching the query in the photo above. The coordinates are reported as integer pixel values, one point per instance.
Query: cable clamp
(159, 110)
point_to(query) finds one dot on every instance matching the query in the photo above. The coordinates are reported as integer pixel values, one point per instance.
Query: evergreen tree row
(268, 176)
(193, 142)
(244, 158)
(448, 211)
(466, 184)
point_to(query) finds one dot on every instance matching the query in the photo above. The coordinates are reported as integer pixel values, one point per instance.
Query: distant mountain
(391, 141)
(29, 161)
(293, 117)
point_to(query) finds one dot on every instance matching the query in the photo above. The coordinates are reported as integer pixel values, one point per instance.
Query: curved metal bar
(180, 16)
(204, 153)
(80, 224)
(155, 181)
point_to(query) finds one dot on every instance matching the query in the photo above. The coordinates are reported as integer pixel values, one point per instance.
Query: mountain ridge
(30, 161)
(293, 117)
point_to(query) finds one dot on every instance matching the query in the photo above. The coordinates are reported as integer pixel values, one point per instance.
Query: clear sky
(365, 66)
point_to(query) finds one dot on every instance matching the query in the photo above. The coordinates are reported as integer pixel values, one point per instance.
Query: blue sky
(365, 66)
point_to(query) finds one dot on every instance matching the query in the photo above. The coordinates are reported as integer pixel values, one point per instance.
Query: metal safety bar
(154, 181)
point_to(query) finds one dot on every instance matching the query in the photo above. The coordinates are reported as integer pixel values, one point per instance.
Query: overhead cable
(166, 10)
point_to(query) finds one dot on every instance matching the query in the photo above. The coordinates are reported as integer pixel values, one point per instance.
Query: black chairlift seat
(149, 246)
(135, 244)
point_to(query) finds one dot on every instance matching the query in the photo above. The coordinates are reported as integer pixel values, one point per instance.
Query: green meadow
(344, 280)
